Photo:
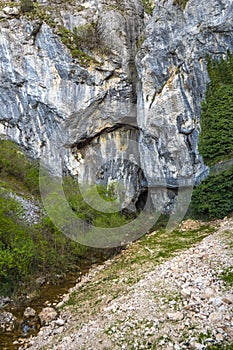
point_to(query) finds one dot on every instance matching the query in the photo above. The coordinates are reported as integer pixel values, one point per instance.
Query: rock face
(144, 82)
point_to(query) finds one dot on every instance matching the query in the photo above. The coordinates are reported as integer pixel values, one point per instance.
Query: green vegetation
(116, 7)
(213, 198)
(27, 250)
(79, 40)
(216, 140)
(148, 6)
(225, 346)
(27, 6)
(16, 167)
(181, 3)
(227, 276)
(140, 41)
(8, 3)
(88, 213)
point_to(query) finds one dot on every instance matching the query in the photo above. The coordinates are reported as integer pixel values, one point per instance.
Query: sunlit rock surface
(145, 84)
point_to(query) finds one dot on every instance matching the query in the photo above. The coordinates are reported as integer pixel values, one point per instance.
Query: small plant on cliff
(181, 3)
(79, 40)
(27, 6)
(148, 6)
(15, 165)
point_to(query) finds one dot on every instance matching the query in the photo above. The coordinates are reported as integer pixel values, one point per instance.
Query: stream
(50, 294)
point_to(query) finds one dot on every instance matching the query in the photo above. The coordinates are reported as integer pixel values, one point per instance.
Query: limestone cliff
(124, 103)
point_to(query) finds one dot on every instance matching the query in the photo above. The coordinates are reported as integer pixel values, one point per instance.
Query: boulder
(7, 321)
(29, 312)
(47, 315)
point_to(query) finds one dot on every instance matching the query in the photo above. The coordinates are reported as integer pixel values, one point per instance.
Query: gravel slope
(181, 304)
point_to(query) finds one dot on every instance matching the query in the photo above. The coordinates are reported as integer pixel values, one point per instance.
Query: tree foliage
(216, 138)
(13, 163)
(213, 198)
(27, 250)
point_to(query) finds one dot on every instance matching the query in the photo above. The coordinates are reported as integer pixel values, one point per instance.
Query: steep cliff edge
(140, 79)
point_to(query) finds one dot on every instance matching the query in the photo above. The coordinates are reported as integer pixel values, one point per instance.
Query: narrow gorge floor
(181, 301)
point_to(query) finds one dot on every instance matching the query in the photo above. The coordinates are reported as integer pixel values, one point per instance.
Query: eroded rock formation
(142, 79)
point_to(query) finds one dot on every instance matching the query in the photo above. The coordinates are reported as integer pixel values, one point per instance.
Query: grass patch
(227, 276)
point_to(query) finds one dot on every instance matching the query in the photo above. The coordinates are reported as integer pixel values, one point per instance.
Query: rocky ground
(182, 303)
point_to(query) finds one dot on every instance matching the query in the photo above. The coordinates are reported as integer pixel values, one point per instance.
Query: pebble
(60, 322)
(29, 312)
(175, 316)
(219, 337)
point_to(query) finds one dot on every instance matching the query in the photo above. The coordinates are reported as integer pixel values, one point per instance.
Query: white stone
(47, 315)
(11, 11)
(60, 322)
(215, 317)
(175, 316)
(29, 312)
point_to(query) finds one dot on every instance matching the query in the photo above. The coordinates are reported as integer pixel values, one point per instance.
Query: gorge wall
(124, 104)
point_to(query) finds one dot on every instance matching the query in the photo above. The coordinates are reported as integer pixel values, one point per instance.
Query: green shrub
(213, 198)
(227, 276)
(16, 246)
(83, 38)
(181, 3)
(26, 251)
(223, 346)
(14, 163)
(84, 211)
(148, 6)
(216, 141)
(26, 6)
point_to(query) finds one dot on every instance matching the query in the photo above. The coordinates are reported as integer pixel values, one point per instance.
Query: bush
(84, 211)
(26, 251)
(181, 3)
(13, 163)
(216, 141)
(148, 6)
(16, 246)
(26, 6)
(213, 198)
